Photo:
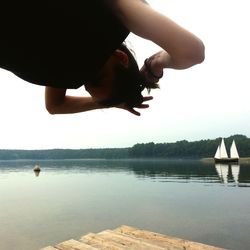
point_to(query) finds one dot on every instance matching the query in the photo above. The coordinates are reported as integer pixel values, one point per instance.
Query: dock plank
(74, 245)
(129, 238)
(49, 248)
(100, 243)
(163, 240)
(130, 242)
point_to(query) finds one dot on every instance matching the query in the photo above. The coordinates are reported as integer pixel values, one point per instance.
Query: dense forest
(179, 149)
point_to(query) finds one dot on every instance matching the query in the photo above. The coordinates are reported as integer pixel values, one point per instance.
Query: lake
(186, 199)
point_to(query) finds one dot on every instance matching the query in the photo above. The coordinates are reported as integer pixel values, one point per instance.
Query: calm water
(186, 199)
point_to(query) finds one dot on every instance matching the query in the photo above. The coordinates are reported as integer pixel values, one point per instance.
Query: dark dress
(58, 43)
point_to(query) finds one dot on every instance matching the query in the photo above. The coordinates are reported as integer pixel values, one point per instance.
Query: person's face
(103, 89)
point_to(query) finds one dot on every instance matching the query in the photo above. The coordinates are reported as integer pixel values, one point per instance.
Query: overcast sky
(207, 101)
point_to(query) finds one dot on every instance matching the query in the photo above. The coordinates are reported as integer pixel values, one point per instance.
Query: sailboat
(221, 153)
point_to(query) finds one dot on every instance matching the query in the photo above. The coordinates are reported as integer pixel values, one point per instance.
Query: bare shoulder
(118, 3)
(123, 8)
(144, 21)
(132, 13)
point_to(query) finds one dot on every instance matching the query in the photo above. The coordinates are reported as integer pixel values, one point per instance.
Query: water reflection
(222, 171)
(235, 172)
(194, 171)
(227, 172)
(157, 170)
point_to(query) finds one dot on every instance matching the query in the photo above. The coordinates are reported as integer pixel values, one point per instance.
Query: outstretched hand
(141, 106)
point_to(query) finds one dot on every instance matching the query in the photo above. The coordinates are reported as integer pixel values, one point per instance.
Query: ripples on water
(187, 199)
(158, 170)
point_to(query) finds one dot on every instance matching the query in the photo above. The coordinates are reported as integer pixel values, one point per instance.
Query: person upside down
(68, 44)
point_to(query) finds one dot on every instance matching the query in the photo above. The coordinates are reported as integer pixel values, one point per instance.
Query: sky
(207, 101)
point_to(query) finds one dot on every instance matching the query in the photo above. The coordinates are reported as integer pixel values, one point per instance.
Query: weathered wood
(49, 248)
(74, 245)
(130, 238)
(100, 243)
(129, 242)
(163, 240)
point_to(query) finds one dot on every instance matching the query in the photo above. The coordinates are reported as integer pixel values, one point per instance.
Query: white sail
(223, 151)
(234, 151)
(217, 154)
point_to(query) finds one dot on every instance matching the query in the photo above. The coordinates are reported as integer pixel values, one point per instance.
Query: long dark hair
(128, 83)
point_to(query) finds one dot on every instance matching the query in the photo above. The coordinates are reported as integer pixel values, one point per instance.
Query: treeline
(185, 149)
(179, 149)
(105, 153)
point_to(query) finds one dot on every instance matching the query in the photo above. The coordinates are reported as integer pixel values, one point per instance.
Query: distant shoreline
(243, 160)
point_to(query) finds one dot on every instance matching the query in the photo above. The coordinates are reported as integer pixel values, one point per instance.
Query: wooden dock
(131, 238)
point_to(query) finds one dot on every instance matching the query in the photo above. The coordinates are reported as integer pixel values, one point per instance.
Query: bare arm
(182, 48)
(57, 102)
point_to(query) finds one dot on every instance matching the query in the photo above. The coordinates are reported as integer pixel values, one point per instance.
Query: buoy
(37, 168)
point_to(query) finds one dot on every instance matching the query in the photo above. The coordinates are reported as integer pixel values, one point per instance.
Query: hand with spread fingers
(140, 106)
